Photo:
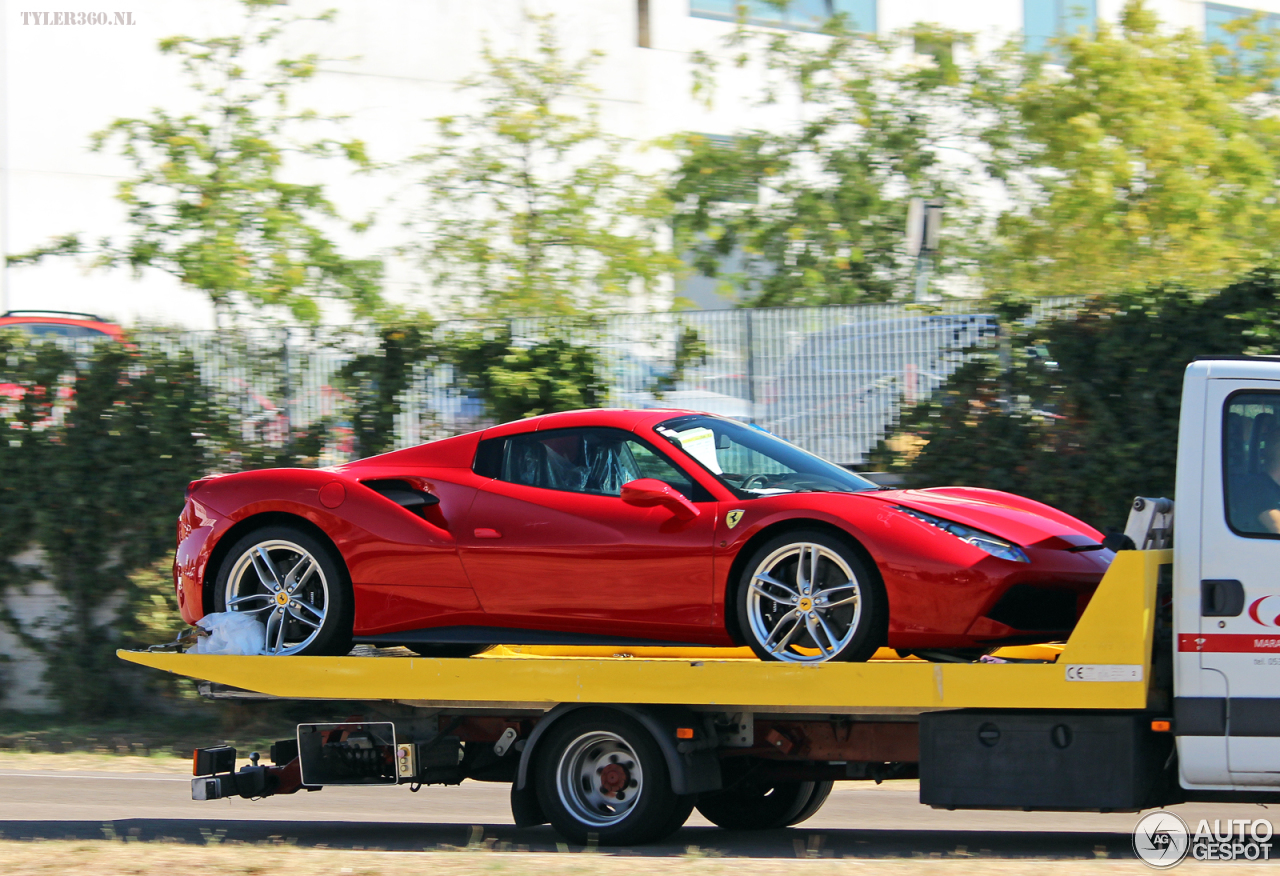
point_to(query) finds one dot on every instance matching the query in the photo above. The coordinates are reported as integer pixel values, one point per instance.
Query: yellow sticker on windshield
(731, 519)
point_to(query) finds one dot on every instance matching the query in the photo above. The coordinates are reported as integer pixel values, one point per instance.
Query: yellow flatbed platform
(1106, 664)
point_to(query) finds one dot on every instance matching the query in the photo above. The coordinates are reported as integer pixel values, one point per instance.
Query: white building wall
(60, 83)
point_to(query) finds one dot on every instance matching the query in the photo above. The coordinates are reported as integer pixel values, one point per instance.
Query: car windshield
(753, 463)
(57, 330)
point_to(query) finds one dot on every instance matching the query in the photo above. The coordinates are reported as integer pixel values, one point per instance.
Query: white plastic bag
(230, 632)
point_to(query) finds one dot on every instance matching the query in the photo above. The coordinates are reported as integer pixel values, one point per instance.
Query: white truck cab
(1226, 576)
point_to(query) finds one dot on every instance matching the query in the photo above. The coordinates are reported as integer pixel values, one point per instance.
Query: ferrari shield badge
(731, 519)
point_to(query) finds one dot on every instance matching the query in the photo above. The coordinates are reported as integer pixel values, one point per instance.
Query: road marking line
(5, 774)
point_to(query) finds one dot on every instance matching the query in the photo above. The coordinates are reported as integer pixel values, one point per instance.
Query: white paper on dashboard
(700, 443)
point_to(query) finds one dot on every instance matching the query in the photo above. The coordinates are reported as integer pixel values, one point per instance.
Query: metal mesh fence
(832, 380)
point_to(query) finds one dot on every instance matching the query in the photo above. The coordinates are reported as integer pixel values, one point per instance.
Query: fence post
(751, 364)
(1005, 342)
(286, 392)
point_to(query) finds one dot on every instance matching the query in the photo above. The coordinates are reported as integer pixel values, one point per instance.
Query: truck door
(1239, 575)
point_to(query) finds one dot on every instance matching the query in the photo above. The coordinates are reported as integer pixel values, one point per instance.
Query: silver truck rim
(599, 778)
(804, 595)
(281, 584)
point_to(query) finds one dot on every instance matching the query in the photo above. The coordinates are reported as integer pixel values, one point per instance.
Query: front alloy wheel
(284, 578)
(806, 598)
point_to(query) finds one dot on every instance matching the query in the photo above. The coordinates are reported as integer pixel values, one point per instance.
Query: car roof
(60, 317)
(617, 418)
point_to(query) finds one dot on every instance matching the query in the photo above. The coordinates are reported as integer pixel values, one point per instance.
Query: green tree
(376, 380)
(98, 450)
(818, 211)
(526, 380)
(1081, 412)
(1140, 156)
(528, 210)
(211, 201)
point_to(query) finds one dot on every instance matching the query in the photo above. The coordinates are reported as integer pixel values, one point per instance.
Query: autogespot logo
(1162, 840)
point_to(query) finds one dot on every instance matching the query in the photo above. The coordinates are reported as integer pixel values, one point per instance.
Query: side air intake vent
(404, 494)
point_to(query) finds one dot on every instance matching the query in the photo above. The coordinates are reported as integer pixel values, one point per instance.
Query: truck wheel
(806, 597)
(763, 806)
(287, 579)
(600, 774)
(821, 791)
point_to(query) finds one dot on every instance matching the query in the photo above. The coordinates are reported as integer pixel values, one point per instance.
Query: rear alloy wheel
(763, 806)
(601, 775)
(805, 597)
(287, 579)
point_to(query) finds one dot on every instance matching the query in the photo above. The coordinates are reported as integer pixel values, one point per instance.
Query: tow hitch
(351, 753)
(216, 776)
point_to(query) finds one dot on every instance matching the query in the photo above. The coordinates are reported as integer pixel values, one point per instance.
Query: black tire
(573, 787)
(324, 598)
(751, 805)
(776, 617)
(821, 791)
(447, 651)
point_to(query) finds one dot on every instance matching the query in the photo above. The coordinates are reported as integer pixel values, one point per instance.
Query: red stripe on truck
(1228, 642)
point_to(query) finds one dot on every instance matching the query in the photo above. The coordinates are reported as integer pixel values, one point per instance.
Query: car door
(549, 543)
(1239, 640)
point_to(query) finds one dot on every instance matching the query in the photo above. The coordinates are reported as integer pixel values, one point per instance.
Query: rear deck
(1106, 664)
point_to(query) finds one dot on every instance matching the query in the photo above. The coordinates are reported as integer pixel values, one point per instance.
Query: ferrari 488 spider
(626, 527)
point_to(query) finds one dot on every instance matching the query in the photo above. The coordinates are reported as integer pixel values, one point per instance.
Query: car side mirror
(647, 492)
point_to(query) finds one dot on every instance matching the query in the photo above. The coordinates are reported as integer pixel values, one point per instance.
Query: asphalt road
(858, 820)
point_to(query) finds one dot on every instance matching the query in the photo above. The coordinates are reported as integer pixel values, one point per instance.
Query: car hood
(1022, 521)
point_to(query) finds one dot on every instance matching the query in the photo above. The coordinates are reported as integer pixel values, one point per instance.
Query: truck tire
(821, 791)
(763, 806)
(600, 775)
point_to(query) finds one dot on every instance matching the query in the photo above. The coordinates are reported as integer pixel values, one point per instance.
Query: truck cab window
(1251, 463)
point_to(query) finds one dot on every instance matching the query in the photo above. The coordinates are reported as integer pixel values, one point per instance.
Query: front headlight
(992, 544)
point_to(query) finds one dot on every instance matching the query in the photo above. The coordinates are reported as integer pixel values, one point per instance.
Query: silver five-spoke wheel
(287, 580)
(805, 599)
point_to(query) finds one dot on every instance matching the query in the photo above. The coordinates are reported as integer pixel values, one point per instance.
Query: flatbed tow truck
(1167, 691)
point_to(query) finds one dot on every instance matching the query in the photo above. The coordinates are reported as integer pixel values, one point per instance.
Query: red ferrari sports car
(626, 527)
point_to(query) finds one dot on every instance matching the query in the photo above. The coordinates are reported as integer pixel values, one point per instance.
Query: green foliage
(209, 201)
(518, 381)
(1141, 156)
(819, 210)
(375, 381)
(1085, 415)
(691, 349)
(99, 449)
(1147, 156)
(528, 210)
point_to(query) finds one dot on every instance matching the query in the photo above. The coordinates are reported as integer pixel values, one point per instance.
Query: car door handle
(1221, 597)
(493, 533)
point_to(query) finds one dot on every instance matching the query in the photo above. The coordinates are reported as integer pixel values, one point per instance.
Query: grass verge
(107, 858)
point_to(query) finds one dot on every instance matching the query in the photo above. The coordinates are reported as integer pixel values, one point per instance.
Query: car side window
(595, 461)
(1251, 463)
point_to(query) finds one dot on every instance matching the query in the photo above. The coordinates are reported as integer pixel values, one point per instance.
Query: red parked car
(627, 527)
(61, 323)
